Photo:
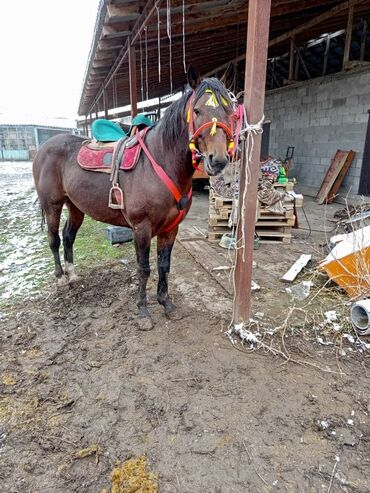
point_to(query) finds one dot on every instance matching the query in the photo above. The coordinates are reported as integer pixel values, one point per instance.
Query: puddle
(24, 258)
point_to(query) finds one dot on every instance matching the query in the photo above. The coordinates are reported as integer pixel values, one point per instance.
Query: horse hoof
(171, 311)
(73, 279)
(62, 281)
(145, 323)
(173, 315)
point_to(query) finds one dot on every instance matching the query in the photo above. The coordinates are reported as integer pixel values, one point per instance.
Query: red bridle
(193, 135)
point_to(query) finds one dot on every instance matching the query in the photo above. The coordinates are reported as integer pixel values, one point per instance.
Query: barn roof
(214, 33)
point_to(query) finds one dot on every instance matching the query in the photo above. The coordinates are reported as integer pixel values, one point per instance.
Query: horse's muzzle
(214, 165)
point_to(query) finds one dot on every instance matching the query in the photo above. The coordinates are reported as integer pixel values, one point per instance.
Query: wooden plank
(266, 233)
(340, 177)
(211, 260)
(347, 44)
(296, 268)
(337, 170)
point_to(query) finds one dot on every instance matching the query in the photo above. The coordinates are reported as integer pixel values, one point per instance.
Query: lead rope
(183, 36)
(247, 135)
(159, 44)
(146, 62)
(169, 34)
(141, 69)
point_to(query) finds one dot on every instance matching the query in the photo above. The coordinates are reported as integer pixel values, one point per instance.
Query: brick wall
(318, 117)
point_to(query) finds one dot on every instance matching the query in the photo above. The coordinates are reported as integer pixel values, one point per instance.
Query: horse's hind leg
(165, 244)
(72, 225)
(52, 216)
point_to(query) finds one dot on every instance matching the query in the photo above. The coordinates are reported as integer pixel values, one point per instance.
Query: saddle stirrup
(116, 198)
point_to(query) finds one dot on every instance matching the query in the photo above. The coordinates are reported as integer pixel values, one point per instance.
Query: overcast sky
(44, 46)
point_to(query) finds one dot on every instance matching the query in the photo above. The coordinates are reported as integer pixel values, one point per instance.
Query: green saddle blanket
(106, 131)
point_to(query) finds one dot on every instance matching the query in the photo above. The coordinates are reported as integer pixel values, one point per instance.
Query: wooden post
(105, 103)
(303, 62)
(326, 55)
(132, 74)
(347, 45)
(363, 41)
(254, 99)
(291, 59)
(296, 68)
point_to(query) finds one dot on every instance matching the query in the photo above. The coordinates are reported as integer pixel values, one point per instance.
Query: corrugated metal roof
(37, 121)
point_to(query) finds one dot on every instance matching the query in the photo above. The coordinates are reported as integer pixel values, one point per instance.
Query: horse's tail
(42, 224)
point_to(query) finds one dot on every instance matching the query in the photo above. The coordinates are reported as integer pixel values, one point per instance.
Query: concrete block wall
(318, 117)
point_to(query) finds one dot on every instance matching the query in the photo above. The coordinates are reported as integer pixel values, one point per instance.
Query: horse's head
(209, 115)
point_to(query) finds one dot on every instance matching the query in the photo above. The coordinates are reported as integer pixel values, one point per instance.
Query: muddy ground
(210, 417)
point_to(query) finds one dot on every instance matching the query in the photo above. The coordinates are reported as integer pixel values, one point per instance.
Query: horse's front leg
(165, 244)
(142, 239)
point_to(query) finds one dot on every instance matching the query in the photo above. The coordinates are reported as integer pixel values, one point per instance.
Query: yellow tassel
(231, 144)
(214, 127)
(212, 101)
(188, 116)
(191, 146)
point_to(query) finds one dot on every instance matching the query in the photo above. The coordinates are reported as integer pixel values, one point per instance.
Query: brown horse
(150, 208)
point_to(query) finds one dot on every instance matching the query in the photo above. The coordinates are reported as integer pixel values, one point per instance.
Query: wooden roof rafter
(215, 33)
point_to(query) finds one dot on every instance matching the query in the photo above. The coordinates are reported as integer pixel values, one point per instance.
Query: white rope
(247, 135)
(159, 44)
(169, 34)
(146, 62)
(141, 69)
(183, 36)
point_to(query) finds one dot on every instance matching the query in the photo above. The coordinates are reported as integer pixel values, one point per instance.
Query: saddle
(110, 157)
(100, 156)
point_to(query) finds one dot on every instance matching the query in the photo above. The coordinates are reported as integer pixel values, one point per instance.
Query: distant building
(19, 140)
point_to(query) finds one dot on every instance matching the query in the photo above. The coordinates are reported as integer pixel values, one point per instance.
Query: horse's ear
(193, 77)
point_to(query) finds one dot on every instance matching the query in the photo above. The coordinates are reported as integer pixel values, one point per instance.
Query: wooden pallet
(216, 221)
(265, 237)
(288, 187)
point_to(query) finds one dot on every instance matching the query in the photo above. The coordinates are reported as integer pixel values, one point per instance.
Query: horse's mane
(173, 124)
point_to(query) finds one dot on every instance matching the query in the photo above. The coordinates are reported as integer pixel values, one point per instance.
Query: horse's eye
(196, 111)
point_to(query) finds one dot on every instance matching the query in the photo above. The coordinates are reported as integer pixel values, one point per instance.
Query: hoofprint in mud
(77, 376)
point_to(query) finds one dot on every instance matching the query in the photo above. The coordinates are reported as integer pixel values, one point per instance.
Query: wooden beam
(296, 68)
(121, 14)
(303, 62)
(307, 25)
(326, 55)
(254, 98)
(347, 44)
(109, 32)
(291, 59)
(289, 34)
(132, 76)
(363, 41)
(142, 21)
